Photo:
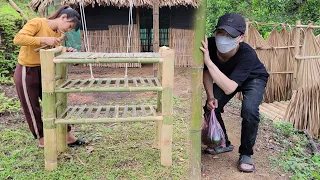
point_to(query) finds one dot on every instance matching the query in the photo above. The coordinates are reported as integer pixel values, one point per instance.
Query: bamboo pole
(159, 109)
(49, 110)
(196, 96)
(307, 57)
(108, 108)
(108, 120)
(292, 26)
(108, 60)
(109, 89)
(167, 105)
(297, 53)
(14, 5)
(61, 70)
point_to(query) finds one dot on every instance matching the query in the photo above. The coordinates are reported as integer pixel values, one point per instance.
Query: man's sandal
(78, 142)
(218, 150)
(245, 159)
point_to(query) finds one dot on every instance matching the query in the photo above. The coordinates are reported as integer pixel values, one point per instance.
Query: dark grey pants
(252, 92)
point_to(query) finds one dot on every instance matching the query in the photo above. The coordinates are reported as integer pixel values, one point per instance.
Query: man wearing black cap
(234, 67)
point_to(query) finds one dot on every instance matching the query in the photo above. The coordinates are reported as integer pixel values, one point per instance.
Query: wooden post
(155, 33)
(138, 26)
(159, 109)
(196, 96)
(167, 105)
(49, 109)
(61, 70)
(297, 53)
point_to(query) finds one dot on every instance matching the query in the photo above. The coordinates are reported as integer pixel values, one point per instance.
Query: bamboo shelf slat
(107, 113)
(90, 57)
(136, 84)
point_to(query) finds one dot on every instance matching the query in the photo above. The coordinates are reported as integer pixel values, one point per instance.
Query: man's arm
(226, 84)
(207, 82)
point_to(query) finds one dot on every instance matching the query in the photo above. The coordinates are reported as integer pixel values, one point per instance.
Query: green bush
(296, 157)
(10, 24)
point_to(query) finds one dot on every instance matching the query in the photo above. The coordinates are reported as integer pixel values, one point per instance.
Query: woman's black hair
(72, 15)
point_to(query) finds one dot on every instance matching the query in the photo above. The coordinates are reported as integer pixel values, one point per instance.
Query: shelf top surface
(93, 55)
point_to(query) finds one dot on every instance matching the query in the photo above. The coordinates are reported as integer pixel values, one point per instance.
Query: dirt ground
(223, 166)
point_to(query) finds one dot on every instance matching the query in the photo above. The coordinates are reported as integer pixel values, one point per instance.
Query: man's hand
(212, 103)
(70, 49)
(204, 49)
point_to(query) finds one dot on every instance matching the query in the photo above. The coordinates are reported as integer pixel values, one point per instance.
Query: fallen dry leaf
(89, 149)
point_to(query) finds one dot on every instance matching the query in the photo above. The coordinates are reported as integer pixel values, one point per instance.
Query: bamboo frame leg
(159, 110)
(61, 128)
(49, 108)
(167, 105)
(61, 70)
(50, 146)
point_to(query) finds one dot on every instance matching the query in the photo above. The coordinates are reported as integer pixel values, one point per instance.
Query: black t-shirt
(244, 65)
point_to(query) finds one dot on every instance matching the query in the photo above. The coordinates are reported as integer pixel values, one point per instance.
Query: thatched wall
(114, 40)
(181, 40)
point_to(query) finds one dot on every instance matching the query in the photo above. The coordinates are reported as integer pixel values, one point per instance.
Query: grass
(116, 151)
(8, 105)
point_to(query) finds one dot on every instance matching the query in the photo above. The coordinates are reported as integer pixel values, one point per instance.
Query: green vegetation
(11, 22)
(8, 105)
(275, 11)
(116, 151)
(296, 157)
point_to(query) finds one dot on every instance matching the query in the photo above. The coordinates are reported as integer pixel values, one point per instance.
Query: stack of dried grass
(278, 66)
(303, 110)
(318, 38)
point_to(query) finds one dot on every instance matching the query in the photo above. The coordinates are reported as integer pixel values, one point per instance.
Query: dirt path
(224, 166)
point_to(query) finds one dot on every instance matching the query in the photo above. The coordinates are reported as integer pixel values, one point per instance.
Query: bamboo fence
(303, 110)
(181, 40)
(277, 54)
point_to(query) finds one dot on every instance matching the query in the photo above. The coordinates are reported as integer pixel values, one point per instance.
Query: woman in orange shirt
(27, 77)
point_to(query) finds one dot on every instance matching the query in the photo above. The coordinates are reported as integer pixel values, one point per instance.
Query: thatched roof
(42, 4)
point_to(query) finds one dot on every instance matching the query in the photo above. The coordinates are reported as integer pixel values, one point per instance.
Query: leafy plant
(284, 128)
(275, 12)
(296, 157)
(8, 105)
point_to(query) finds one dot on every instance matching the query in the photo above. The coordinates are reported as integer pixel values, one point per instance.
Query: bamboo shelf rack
(57, 113)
